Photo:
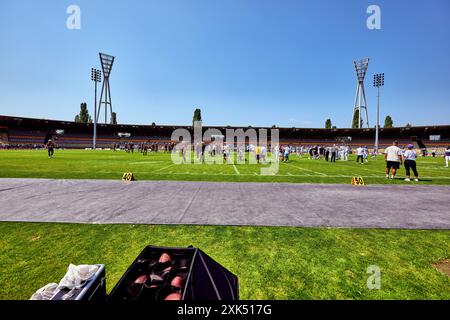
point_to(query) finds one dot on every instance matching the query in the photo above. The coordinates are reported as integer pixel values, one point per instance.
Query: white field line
(443, 168)
(242, 174)
(319, 173)
(381, 176)
(236, 170)
(146, 162)
(166, 167)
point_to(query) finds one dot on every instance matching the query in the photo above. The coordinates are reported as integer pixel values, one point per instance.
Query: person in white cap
(410, 163)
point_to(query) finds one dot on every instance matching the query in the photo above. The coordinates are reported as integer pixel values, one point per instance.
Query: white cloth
(45, 293)
(393, 153)
(76, 276)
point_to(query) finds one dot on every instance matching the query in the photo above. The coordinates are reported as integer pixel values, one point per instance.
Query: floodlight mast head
(360, 104)
(96, 75)
(378, 80)
(107, 62)
(361, 68)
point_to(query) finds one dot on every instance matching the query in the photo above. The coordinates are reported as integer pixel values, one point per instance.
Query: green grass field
(271, 262)
(83, 164)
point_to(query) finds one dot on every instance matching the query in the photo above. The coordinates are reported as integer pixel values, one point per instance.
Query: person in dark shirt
(202, 156)
(50, 148)
(333, 152)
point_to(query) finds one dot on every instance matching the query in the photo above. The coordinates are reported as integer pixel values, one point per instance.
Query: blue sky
(243, 62)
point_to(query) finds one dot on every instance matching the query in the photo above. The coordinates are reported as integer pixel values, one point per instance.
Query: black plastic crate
(202, 278)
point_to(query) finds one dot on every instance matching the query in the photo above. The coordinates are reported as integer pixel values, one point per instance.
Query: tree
(113, 118)
(153, 124)
(334, 127)
(355, 120)
(408, 125)
(83, 116)
(197, 116)
(274, 126)
(388, 123)
(328, 124)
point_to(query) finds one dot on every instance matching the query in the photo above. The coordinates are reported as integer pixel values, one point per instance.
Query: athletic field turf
(271, 263)
(83, 164)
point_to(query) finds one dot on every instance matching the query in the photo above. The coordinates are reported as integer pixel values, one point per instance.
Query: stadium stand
(4, 137)
(19, 131)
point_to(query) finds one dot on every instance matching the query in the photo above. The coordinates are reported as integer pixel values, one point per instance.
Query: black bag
(201, 277)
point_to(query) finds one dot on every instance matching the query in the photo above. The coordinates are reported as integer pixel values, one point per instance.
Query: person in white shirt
(240, 153)
(286, 153)
(263, 153)
(365, 154)
(333, 151)
(410, 163)
(393, 158)
(276, 150)
(447, 156)
(346, 152)
(360, 154)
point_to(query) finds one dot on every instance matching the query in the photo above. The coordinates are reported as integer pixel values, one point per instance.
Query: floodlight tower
(96, 76)
(107, 62)
(378, 81)
(361, 70)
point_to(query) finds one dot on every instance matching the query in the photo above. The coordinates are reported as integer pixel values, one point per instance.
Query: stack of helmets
(161, 273)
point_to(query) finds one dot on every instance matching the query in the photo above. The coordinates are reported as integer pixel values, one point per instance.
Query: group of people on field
(143, 147)
(395, 157)
(330, 153)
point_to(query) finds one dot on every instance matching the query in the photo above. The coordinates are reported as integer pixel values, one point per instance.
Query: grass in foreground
(271, 263)
(83, 164)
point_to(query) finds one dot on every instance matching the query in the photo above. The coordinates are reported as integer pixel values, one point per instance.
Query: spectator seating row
(85, 140)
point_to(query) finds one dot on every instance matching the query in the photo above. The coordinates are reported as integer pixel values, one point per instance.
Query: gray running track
(221, 203)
